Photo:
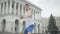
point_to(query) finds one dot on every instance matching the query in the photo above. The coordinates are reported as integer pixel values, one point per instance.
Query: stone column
(10, 6)
(15, 8)
(18, 9)
(3, 8)
(34, 15)
(0, 9)
(22, 10)
(6, 7)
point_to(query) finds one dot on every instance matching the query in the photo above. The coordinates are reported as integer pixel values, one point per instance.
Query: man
(28, 19)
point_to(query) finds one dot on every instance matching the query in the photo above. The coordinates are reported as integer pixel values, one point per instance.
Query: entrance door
(3, 25)
(16, 25)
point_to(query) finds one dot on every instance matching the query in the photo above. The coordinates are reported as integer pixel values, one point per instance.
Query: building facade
(10, 11)
(44, 22)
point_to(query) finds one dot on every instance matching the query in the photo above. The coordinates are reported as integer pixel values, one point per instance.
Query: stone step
(8, 33)
(1, 32)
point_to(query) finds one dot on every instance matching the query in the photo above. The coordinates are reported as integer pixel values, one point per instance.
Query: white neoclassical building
(10, 11)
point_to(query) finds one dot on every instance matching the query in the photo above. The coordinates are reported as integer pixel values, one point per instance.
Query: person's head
(27, 7)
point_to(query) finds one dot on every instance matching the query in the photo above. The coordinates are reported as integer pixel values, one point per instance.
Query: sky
(48, 7)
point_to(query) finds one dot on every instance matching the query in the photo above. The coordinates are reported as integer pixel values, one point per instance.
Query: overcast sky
(48, 7)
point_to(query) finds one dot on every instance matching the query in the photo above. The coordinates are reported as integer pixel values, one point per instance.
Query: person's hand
(21, 17)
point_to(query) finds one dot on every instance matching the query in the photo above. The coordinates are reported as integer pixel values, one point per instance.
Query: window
(3, 24)
(20, 9)
(16, 25)
(5, 8)
(13, 4)
(9, 3)
(35, 28)
(16, 8)
(23, 9)
(24, 24)
(32, 11)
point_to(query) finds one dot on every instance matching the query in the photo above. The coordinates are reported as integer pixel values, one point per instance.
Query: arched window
(16, 25)
(3, 24)
(38, 28)
(24, 24)
(35, 28)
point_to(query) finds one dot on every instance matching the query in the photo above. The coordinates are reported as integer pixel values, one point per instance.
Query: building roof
(25, 2)
(33, 5)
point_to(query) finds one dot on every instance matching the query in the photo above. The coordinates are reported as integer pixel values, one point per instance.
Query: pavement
(1, 32)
